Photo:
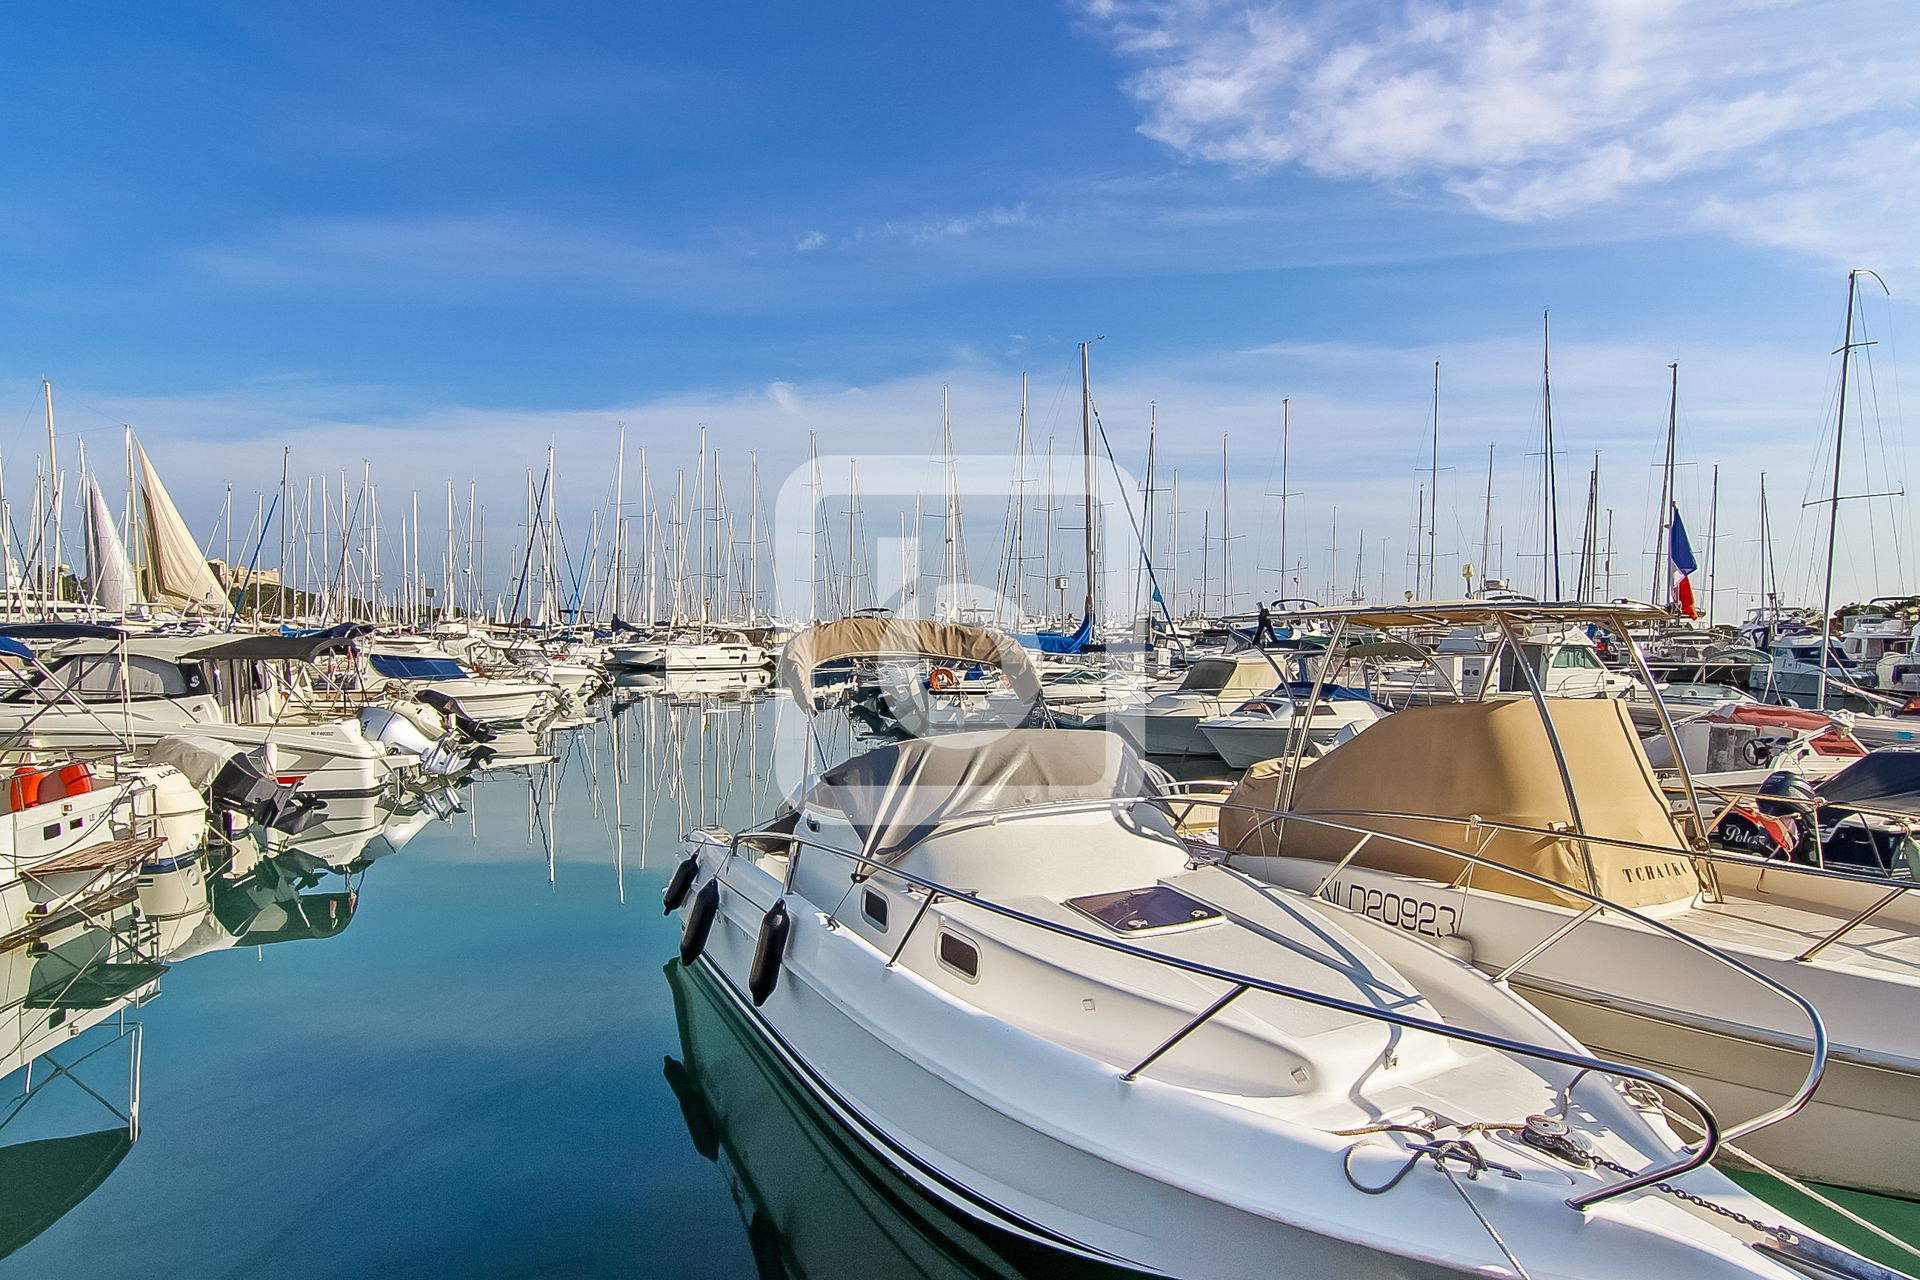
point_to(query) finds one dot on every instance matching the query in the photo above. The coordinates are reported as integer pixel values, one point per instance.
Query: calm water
(449, 1042)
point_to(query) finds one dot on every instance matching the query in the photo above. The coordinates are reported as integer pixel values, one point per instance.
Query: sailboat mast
(1286, 432)
(619, 519)
(1662, 546)
(286, 535)
(1713, 540)
(1766, 547)
(53, 498)
(1833, 511)
(1226, 534)
(1486, 521)
(1086, 446)
(1142, 579)
(1549, 497)
(1433, 488)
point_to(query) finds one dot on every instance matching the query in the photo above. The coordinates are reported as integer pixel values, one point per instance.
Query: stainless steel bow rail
(1690, 1157)
(1335, 820)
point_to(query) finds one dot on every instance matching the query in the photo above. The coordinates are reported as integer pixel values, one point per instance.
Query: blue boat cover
(395, 666)
(1075, 641)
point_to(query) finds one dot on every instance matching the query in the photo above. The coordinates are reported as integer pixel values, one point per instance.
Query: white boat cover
(902, 638)
(200, 759)
(110, 584)
(176, 571)
(1426, 772)
(895, 795)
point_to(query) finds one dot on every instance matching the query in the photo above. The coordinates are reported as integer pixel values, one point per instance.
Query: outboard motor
(1777, 824)
(456, 715)
(238, 783)
(246, 788)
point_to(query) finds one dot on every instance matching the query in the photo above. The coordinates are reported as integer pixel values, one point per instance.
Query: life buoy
(706, 904)
(942, 679)
(24, 790)
(763, 975)
(679, 882)
(77, 779)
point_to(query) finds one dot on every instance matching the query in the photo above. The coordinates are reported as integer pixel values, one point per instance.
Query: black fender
(764, 974)
(706, 905)
(679, 882)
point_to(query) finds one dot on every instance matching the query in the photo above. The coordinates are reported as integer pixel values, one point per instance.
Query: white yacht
(996, 962)
(1168, 724)
(1498, 826)
(416, 666)
(690, 649)
(1563, 660)
(1740, 744)
(115, 691)
(1271, 725)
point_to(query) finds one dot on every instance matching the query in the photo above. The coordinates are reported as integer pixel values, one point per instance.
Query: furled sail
(176, 571)
(110, 584)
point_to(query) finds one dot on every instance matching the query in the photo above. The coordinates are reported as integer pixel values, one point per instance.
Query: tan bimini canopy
(901, 638)
(1490, 760)
(895, 796)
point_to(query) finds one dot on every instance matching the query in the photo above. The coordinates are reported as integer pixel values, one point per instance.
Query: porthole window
(960, 955)
(874, 907)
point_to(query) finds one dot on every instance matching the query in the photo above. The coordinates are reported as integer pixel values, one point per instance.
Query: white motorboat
(73, 832)
(704, 649)
(995, 961)
(491, 700)
(1739, 744)
(1469, 662)
(1425, 819)
(1168, 724)
(114, 691)
(1271, 725)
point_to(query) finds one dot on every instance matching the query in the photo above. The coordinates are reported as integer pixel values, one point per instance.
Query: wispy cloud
(1533, 109)
(456, 255)
(947, 227)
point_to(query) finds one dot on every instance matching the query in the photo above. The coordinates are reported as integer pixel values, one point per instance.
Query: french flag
(1681, 553)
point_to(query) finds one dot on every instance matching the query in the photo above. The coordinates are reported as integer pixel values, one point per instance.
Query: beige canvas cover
(177, 573)
(901, 638)
(1491, 760)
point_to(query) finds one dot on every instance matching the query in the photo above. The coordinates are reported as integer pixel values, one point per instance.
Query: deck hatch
(1157, 908)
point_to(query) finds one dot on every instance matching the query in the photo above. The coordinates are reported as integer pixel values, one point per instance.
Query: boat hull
(1093, 1210)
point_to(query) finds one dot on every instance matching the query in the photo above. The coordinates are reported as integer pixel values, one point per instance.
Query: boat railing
(1238, 984)
(1355, 822)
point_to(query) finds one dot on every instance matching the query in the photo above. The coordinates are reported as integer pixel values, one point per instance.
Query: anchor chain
(1784, 1235)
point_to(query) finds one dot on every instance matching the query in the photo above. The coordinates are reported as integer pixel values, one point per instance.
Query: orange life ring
(24, 793)
(942, 679)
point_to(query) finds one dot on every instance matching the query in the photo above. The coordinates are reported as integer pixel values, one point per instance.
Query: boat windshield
(895, 796)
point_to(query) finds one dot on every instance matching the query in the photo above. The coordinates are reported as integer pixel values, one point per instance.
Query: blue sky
(440, 236)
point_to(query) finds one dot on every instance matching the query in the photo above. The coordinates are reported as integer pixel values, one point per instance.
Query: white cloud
(1531, 109)
(811, 241)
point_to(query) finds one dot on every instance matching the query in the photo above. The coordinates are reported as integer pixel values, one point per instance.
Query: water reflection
(72, 1057)
(70, 1051)
(813, 1201)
